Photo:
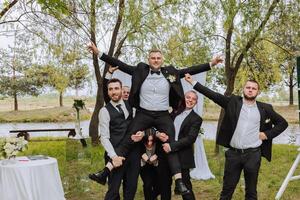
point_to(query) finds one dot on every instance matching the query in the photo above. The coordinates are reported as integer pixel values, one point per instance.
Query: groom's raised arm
(196, 69)
(128, 69)
(111, 60)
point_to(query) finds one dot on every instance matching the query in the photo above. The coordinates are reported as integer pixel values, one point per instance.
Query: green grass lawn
(75, 163)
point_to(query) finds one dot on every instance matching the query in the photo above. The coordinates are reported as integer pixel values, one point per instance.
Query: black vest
(118, 125)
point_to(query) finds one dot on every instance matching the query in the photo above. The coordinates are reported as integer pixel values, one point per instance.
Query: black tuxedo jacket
(140, 72)
(271, 123)
(188, 133)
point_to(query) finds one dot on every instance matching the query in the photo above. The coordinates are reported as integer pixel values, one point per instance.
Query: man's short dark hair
(114, 80)
(253, 81)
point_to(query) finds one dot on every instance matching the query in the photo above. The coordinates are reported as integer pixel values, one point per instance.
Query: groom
(154, 89)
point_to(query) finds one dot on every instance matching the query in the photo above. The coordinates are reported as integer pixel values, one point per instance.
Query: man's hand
(216, 60)
(162, 136)
(117, 161)
(153, 158)
(262, 136)
(138, 136)
(92, 48)
(188, 78)
(145, 157)
(166, 147)
(112, 69)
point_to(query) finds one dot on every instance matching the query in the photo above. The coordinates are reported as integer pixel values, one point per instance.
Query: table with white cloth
(30, 180)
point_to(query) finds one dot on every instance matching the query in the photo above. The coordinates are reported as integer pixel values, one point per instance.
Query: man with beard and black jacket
(247, 130)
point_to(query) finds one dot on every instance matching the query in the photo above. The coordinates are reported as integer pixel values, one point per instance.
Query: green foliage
(184, 50)
(58, 8)
(14, 64)
(261, 64)
(78, 76)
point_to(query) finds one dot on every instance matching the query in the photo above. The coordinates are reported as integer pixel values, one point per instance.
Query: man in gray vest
(114, 119)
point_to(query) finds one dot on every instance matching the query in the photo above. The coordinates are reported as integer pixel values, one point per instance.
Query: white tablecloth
(31, 180)
(202, 171)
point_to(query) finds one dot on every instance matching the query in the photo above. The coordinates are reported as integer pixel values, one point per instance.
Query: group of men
(246, 130)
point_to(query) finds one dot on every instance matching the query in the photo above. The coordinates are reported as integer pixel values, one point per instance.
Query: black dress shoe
(99, 177)
(180, 188)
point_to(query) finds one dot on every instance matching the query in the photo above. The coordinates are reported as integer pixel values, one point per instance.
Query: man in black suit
(154, 88)
(247, 129)
(187, 127)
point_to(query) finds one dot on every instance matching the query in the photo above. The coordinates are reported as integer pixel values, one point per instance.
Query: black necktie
(120, 110)
(155, 72)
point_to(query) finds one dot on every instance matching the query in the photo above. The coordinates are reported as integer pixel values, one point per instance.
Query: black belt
(244, 150)
(153, 111)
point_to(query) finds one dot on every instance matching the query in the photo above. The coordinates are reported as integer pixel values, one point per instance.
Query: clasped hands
(150, 160)
(138, 136)
(117, 161)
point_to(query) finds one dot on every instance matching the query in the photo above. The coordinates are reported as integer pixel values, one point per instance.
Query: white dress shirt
(178, 121)
(154, 93)
(246, 134)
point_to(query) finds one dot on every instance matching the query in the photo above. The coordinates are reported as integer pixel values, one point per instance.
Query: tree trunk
(61, 99)
(93, 128)
(291, 87)
(6, 9)
(291, 96)
(16, 108)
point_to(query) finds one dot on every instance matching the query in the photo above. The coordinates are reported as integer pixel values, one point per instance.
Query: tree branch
(6, 9)
(256, 34)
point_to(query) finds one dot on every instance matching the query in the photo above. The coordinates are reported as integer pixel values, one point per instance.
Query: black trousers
(187, 181)
(149, 175)
(164, 179)
(143, 120)
(235, 163)
(128, 173)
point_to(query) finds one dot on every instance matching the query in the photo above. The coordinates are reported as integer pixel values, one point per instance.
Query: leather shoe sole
(94, 177)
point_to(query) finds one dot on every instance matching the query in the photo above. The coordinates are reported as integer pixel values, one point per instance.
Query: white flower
(267, 120)
(12, 146)
(171, 78)
(201, 131)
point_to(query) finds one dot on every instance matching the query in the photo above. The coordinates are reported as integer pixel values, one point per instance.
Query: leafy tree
(78, 76)
(243, 23)
(14, 63)
(286, 37)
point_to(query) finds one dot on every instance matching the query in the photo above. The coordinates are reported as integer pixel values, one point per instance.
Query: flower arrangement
(10, 147)
(78, 104)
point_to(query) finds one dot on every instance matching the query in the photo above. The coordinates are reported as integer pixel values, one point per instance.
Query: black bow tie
(155, 72)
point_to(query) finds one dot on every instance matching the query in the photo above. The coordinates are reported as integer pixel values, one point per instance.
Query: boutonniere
(201, 131)
(171, 78)
(267, 120)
